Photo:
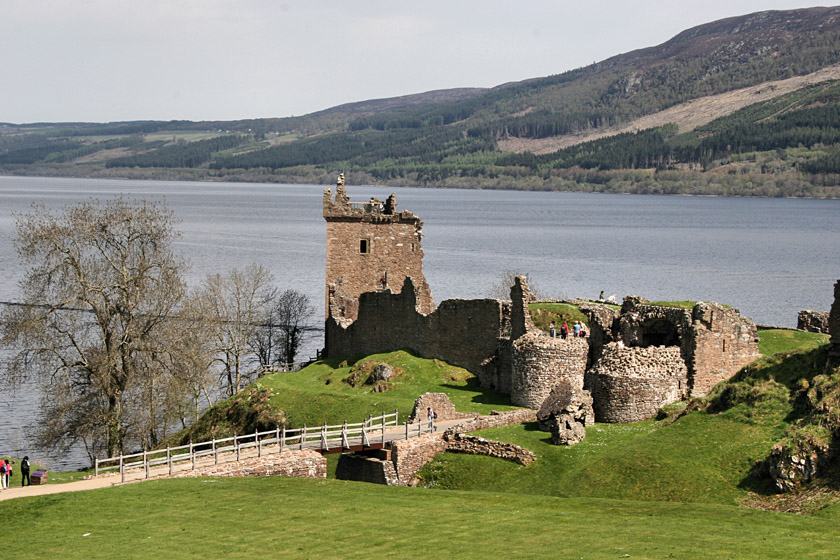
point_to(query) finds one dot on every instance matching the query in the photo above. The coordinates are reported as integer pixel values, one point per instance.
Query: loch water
(769, 258)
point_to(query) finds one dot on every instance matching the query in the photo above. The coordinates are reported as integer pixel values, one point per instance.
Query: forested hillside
(788, 144)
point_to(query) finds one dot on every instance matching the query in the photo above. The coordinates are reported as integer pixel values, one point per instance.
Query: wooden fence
(372, 432)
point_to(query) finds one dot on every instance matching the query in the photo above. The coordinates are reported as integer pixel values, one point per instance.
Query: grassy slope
(319, 394)
(699, 458)
(776, 341)
(294, 518)
(703, 456)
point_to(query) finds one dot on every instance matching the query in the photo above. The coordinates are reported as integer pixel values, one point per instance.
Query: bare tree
(101, 284)
(283, 331)
(501, 290)
(235, 305)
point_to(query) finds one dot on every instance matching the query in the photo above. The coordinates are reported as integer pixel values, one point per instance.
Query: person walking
(564, 330)
(8, 473)
(551, 330)
(577, 328)
(3, 471)
(24, 472)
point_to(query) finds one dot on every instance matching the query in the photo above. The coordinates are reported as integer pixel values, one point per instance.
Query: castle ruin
(634, 361)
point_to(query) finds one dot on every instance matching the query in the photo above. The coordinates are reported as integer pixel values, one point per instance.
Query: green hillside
(785, 145)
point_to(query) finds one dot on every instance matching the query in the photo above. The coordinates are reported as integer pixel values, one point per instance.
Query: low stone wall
(539, 362)
(631, 384)
(440, 403)
(409, 455)
(496, 420)
(301, 463)
(812, 321)
(474, 445)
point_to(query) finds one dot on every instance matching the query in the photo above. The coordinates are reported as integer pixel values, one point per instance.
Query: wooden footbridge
(374, 433)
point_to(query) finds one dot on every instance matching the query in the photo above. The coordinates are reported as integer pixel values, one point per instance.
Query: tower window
(364, 246)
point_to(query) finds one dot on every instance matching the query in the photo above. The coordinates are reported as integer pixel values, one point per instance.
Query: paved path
(40, 490)
(106, 481)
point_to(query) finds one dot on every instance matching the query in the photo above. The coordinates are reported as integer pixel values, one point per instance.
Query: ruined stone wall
(631, 384)
(834, 327)
(440, 403)
(301, 463)
(539, 362)
(496, 420)
(654, 325)
(601, 327)
(461, 332)
(409, 455)
(722, 342)
(366, 242)
(812, 321)
(474, 445)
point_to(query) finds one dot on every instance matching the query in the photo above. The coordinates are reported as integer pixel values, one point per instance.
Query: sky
(117, 60)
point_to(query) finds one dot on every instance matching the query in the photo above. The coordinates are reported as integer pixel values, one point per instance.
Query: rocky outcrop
(566, 430)
(791, 467)
(834, 328)
(566, 400)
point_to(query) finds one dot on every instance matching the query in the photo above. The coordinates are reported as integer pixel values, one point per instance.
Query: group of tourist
(578, 330)
(6, 473)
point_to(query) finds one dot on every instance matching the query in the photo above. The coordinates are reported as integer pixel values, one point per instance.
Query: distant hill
(533, 134)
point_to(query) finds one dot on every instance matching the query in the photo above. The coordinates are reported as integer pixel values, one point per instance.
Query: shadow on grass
(483, 396)
(758, 480)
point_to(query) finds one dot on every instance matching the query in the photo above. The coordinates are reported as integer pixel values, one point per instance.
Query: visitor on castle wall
(582, 329)
(577, 328)
(564, 330)
(551, 330)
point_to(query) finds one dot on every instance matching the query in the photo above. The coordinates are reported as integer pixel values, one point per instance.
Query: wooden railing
(369, 433)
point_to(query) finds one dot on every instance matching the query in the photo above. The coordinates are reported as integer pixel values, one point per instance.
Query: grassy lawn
(774, 341)
(297, 518)
(699, 458)
(544, 313)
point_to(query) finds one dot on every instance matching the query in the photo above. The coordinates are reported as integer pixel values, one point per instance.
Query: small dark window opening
(364, 246)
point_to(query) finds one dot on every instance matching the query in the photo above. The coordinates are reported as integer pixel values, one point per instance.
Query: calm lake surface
(769, 258)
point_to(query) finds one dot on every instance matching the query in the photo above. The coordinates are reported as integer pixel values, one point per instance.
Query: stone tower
(370, 248)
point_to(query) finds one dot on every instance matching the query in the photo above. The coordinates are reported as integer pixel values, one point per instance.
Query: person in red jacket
(8, 472)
